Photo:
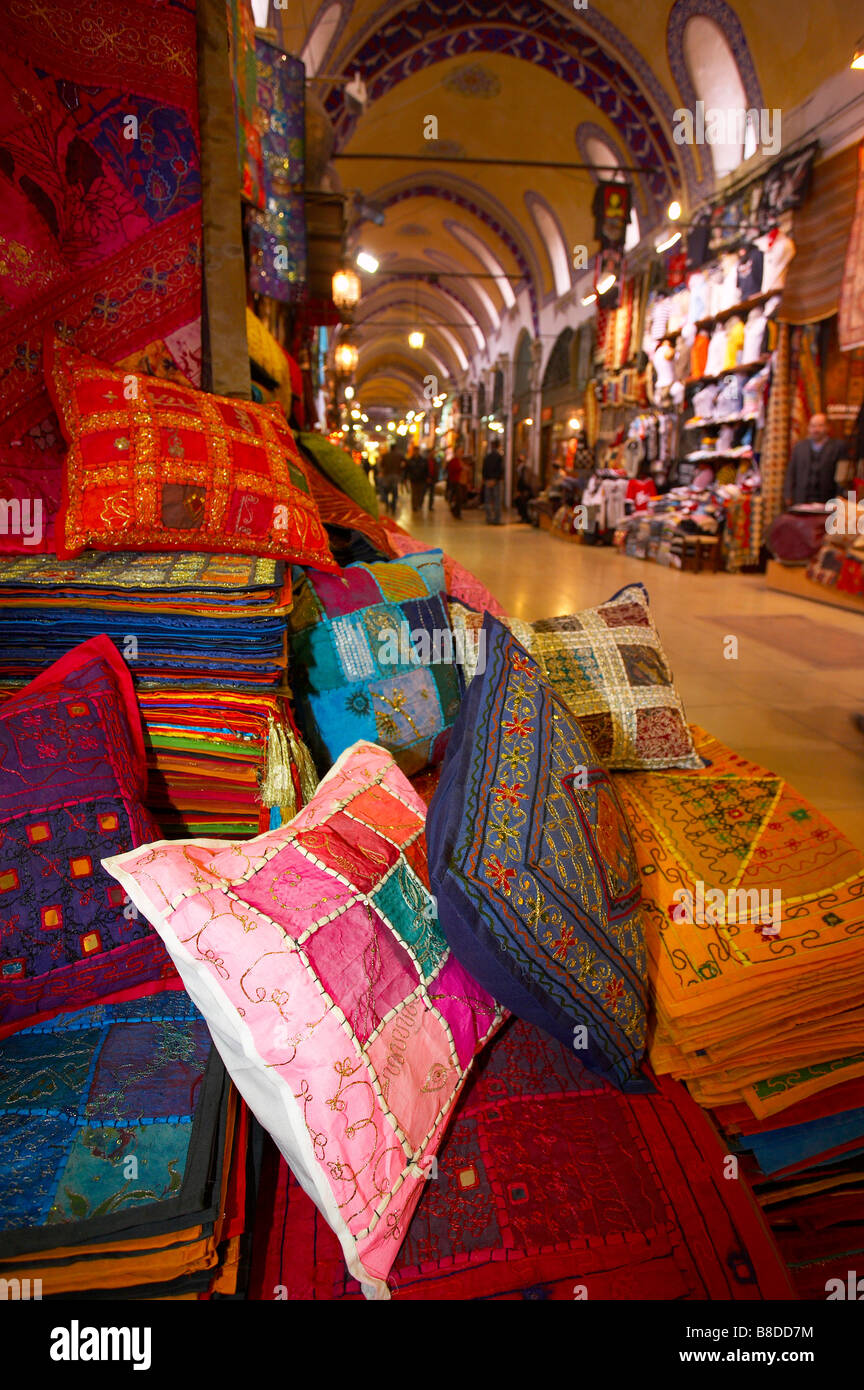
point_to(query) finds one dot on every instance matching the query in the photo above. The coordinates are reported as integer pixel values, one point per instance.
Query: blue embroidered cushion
(374, 659)
(533, 866)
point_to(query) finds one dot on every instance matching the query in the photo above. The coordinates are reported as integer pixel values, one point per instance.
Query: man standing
(524, 488)
(432, 464)
(455, 489)
(418, 477)
(493, 483)
(388, 472)
(810, 476)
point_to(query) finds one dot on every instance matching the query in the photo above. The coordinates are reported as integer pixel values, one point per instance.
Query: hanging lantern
(416, 339)
(345, 358)
(346, 289)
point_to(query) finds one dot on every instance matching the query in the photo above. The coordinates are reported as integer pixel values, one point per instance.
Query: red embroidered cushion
(154, 465)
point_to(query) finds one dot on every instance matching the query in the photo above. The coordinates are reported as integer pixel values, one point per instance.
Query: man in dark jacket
(418, 477)
(388, 473)
(813, 465)
(493, 483)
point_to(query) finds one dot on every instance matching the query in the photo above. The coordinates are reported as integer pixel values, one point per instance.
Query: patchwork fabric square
(315, 954)
(155, 465)
(375, 659)
(610, 667)
(532, 862)
(72, 779)
(83, 1094)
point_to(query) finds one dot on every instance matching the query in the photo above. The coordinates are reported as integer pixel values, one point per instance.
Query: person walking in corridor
(418, 477)
(455, 487)
(388, 472)
(493, 484)
(432, 464)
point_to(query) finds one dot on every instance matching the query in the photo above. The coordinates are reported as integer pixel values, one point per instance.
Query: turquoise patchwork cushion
(374, 659)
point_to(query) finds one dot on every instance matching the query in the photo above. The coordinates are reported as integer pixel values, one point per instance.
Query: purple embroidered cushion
(72, 775)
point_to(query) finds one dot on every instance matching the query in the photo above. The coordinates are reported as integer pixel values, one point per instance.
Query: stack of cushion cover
(204, 637)
(742, 999)
(372, 656)
(123, 1150)
(188, 619)
(766, 1029)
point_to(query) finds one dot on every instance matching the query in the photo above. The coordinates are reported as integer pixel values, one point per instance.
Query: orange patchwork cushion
(154, 465)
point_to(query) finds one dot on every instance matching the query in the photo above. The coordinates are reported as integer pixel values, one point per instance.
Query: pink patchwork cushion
(315, 954)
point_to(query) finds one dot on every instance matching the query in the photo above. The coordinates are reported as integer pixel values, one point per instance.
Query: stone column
(505, 364)
(536, 405)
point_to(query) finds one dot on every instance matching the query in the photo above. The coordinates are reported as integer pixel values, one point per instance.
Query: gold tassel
(305, 766)
(277, 786)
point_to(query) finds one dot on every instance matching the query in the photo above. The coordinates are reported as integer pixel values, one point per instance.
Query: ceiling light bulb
(674, 210)
(589, 298)
(367, 261)
(349, 393)
(607, 282)
(416, 339)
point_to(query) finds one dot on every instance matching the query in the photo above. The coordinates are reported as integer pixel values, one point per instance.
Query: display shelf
(741, 309)
(745, 367)
(706, 455)
(700, 422)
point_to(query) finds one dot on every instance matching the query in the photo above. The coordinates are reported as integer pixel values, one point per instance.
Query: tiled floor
(784, 712)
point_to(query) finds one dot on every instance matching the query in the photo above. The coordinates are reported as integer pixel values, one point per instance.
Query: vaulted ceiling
(520, 80)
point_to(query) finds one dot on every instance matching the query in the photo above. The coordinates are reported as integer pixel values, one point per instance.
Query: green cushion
(341, 470)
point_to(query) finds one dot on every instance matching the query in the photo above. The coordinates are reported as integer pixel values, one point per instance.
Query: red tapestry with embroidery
(550, 1184)
(101, 193)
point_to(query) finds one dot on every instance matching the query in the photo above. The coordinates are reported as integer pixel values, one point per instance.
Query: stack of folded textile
(772, 978)
(205, 639)
(123, 1148)
(190, 620)
(124, 1152)
(760, 1006)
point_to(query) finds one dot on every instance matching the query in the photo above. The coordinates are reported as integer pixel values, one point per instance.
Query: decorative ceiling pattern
(515, 83)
